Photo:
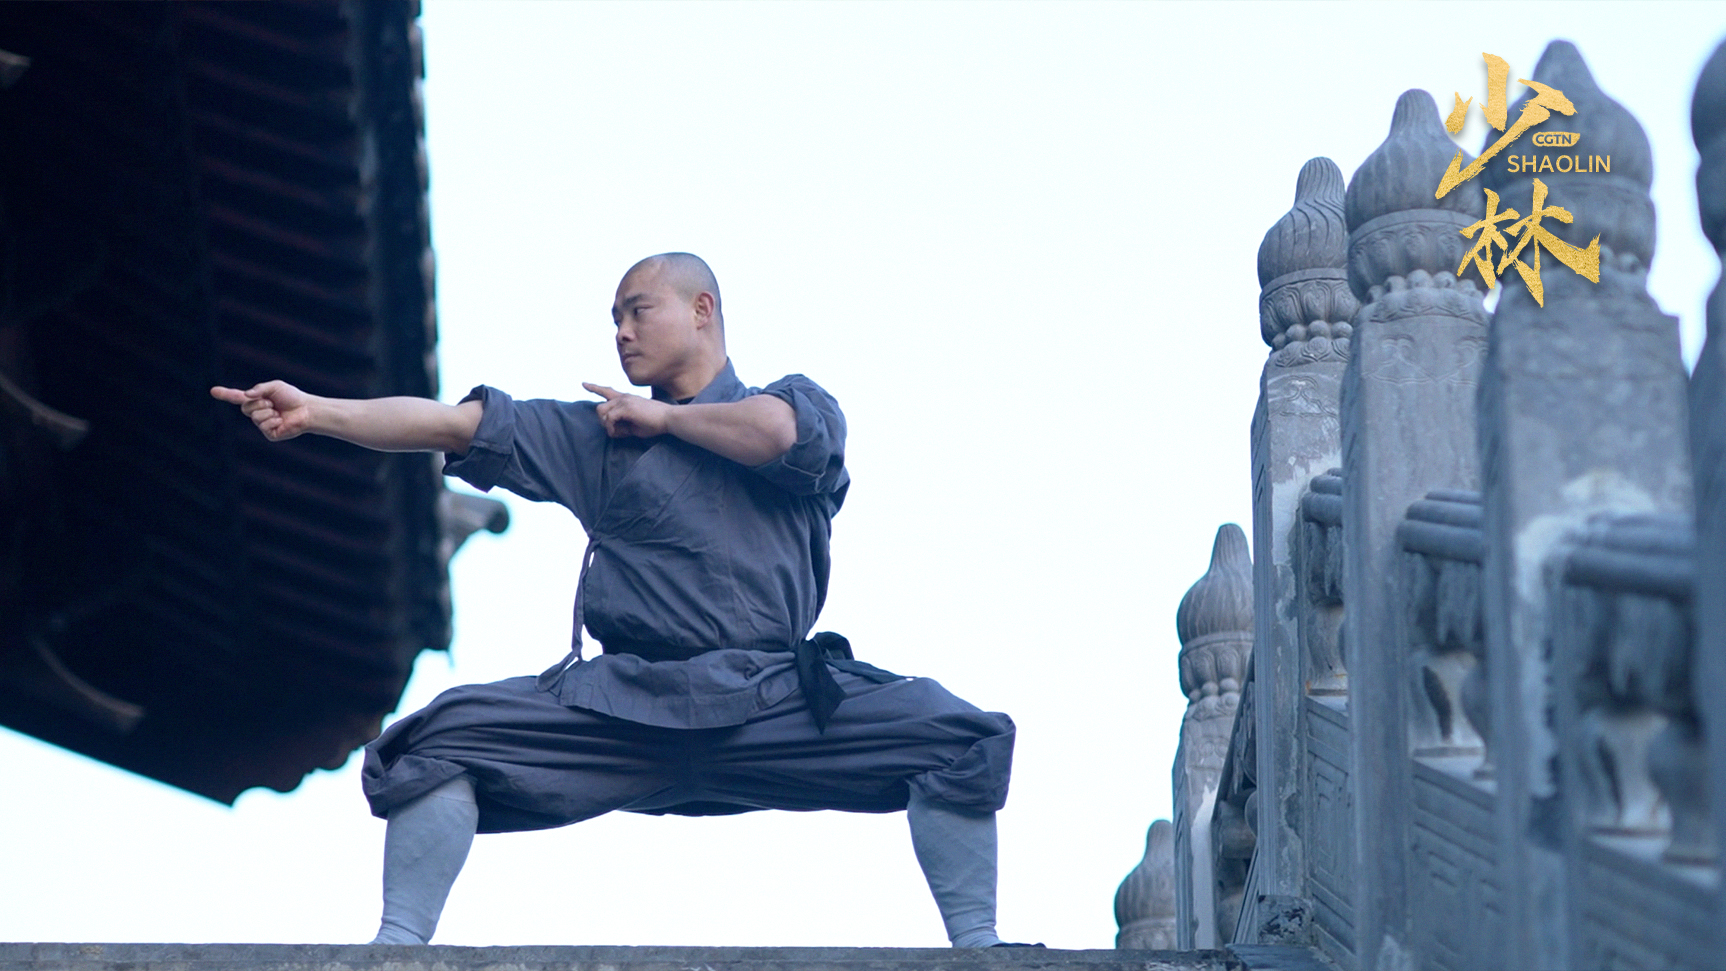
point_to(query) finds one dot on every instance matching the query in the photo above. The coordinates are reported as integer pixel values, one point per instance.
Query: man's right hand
(280, 410)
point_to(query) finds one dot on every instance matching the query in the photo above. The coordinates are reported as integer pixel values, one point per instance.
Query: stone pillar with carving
(1305, 315)
(1582, 412)
(1215, 624)
(1145, 902)
(1708, 446)
(1408, 428)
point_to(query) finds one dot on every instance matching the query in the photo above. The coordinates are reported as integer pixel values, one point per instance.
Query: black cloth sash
(814, 657)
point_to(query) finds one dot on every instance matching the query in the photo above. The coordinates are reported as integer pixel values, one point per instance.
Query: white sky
(1018, 243)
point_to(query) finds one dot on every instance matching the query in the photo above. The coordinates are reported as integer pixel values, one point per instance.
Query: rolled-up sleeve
(543, 450)
(816, 463)
(482, 466)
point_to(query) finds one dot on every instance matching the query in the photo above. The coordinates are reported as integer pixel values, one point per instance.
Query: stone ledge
(366, 957)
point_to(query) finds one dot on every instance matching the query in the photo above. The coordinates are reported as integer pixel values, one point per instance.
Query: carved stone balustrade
(1443, 547)
(1622, 625)
(1483, 723)
(1408, 427)
(1215, 624)
(1306, 312)
(1582, 413)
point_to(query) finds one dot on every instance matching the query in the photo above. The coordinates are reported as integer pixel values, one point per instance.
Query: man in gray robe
(707, 509)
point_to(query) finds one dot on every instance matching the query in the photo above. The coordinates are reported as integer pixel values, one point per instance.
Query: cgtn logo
(1515, 164)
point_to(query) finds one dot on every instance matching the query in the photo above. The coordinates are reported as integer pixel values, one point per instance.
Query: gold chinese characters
(1531, 233)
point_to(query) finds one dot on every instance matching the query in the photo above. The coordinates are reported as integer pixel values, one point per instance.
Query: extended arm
(282, 411)
(751, 432)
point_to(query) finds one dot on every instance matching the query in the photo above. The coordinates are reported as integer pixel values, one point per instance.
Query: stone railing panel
(1624, 631)
(1442, 544)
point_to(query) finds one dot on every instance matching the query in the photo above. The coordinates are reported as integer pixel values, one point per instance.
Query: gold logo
(1585, 261)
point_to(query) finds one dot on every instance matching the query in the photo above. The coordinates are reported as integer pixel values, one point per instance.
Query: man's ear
(703, 309)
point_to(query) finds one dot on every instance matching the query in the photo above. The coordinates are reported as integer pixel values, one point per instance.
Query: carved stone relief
(1625, 628)
(1442, 545)
(1306, 307)
(1320, 585)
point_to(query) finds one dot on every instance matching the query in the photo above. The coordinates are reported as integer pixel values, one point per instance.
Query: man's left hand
(630, 416)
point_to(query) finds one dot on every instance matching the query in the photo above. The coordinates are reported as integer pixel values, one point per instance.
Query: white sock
(425, 846)
(957, 853)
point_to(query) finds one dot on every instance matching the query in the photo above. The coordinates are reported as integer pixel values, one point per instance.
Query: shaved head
(670, 336)
(686, 273)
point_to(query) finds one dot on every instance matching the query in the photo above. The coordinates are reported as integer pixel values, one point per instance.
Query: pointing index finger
(609, 394)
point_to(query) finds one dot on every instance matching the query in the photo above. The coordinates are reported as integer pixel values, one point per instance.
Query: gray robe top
(687, 550)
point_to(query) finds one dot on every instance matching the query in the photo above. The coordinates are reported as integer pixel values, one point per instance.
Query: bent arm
(751, 432)
(282, 411)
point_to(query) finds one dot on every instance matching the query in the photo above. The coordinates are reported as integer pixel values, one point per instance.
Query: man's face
(656, 328)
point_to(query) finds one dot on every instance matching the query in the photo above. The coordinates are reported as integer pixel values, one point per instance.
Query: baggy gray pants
(537, 764)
